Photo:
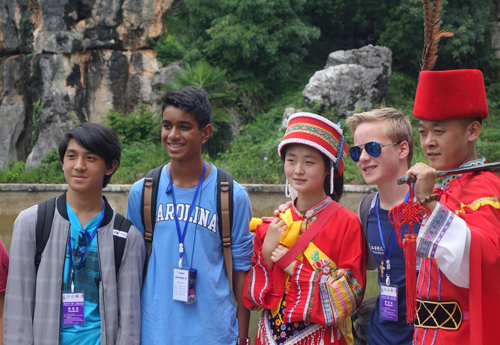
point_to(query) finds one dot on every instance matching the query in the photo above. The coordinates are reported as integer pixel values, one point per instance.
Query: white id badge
(181, 284)
(389, 302)
(73, 304)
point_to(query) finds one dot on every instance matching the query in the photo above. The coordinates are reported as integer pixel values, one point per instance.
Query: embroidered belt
(442, 315)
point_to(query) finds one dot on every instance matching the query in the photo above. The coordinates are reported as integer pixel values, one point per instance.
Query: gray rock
(115, 80)
(286, 115)
(79, 59)
(352, 80)
(12, 111)
(495, 39)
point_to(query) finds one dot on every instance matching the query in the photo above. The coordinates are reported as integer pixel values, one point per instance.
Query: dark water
(11, 203)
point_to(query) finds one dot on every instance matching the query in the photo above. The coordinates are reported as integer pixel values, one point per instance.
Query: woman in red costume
(309, 266)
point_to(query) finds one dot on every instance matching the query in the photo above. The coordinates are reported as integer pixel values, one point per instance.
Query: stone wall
(77, 58)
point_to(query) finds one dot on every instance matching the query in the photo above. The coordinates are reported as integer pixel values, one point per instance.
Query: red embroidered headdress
(320, 133)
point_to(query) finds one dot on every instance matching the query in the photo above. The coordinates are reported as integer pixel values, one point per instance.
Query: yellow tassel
(254, 223)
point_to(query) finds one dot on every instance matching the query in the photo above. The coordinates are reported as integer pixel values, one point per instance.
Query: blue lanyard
(89, 240)
(392, 236)
(182, 236)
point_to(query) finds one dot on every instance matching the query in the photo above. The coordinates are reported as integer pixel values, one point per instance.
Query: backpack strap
(148, 209)
(225, 219)
(121, 227)
(363, 213)
(45, 216)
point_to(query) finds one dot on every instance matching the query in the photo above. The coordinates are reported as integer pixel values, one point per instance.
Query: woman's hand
(278, 254)
(283, 207)
(272, 239)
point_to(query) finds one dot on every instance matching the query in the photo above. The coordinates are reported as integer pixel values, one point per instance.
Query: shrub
(142, 124)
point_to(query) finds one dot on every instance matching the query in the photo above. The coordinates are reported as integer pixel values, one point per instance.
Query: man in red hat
(458, 288)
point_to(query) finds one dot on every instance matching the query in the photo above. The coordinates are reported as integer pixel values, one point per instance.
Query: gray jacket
(32, 313)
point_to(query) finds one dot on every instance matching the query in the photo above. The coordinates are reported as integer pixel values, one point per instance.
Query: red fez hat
(445, 95)
(316, 131)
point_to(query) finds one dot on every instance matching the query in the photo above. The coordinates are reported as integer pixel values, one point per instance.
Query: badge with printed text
(181, 284)
(72, 308)
(184, 280)
(389, 302)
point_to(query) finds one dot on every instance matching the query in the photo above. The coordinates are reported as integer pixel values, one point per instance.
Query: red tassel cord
(410, 212)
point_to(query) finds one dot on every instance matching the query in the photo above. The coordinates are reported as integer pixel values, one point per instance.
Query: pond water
(13, 202)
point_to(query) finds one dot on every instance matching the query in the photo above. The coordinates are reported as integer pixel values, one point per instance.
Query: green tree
(400, 28)
(259, 40)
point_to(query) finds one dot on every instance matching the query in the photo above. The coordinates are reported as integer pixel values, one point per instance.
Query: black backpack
(44, 220)
(224, 212)
(363, 212)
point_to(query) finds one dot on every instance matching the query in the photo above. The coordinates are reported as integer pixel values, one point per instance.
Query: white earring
(287, 190)
(332, 171)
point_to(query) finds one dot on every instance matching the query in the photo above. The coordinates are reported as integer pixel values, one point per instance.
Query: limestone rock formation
(71, 61)
(352, 80)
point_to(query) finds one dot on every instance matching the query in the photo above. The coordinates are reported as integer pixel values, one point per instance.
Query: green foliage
(13, 173)
(175, 44)
(137, 159)
(202, 75)
(401, 93)
(169, 49)
(142, 124)
(253, 157)
(48, 171)
(471, 45)
(253, 39)
(488, 144)
(37, 110)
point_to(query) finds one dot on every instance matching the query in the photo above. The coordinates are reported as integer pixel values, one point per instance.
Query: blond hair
(397, 125)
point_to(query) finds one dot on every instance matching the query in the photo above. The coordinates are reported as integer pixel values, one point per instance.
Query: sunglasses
(373, 148)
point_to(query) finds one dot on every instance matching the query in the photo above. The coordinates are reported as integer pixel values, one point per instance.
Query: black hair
(193, 100)
(338, 182)
(98, 140)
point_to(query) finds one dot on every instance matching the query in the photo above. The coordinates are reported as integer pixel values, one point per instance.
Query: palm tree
(211, 79)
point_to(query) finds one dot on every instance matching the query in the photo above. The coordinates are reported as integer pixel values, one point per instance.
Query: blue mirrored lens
(373, 148)
(355, 152)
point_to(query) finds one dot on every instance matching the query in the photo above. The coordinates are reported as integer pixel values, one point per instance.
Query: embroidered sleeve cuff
(259, 283)
(337, 299)
(433, 231)
(301, 293)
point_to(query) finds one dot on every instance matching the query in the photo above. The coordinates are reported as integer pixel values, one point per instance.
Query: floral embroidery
(321, 265)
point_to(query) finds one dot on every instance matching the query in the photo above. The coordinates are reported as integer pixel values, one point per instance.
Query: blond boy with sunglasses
(383, 150)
